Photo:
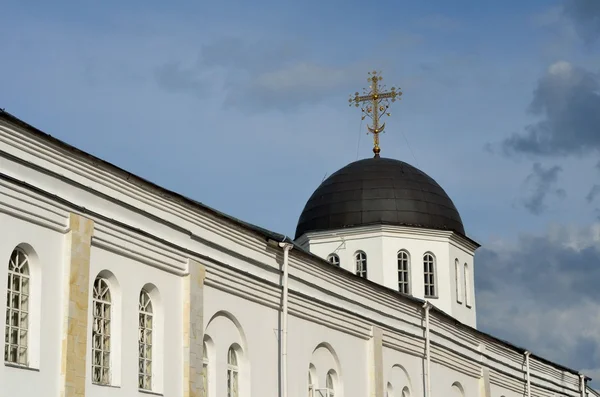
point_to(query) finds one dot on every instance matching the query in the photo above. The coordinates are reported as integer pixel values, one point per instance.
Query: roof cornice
(364, 231)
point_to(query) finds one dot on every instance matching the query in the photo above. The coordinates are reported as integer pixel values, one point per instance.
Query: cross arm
(392, 94)
(363, 98)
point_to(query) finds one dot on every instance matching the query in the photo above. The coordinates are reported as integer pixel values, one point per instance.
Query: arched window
(390, 390)
(17, 308)
(467, 286)
(429, 275)
(329, 385)
(457, 390)
(205, 369)
(101, 331)
(457, 281)
(405, 392)
(145, 341)
(403, 272)
(361, 264)
(311, 386)
(232, 373)
(333, 259)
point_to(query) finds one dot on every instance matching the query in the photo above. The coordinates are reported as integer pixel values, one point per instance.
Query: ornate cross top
(375, 104)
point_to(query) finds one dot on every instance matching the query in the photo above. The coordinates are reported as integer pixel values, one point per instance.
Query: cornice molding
(126, 188)
(391, 231)
(23, 204)
(138, 248)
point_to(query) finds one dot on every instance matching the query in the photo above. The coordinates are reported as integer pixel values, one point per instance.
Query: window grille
(17, 309)
(361, 264)
(145, 341)
(403, 272)
(333, 259)
(429, 274)
(205, 370)
(329, 386)
(101, 331)
(232, 373)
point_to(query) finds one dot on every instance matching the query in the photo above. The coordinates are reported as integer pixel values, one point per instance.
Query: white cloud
(261, 76)
(561, 68)
(302, 76)
(295, 84)
(566, 101)
(541, 293)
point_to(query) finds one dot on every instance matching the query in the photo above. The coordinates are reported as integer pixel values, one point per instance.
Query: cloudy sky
(243, 106)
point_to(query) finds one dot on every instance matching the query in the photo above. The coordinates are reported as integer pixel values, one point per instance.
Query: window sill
(431, 297)
(150, 392)
(103, 385)
(20, 366)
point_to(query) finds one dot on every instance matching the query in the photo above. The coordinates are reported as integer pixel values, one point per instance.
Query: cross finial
(375, 102)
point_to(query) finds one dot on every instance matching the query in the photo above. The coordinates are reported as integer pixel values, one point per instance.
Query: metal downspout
(527, 353)
(427, 372)
(284, 326)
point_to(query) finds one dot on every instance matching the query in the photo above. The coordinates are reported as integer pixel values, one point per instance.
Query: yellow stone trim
(76, 278)
(376, 362)
(193, 329)
(484, 383)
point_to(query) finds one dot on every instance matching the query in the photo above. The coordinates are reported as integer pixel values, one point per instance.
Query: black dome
(379, 191)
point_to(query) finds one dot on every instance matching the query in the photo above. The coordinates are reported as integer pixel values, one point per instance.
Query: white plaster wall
(460, 310)
(409, 372)
(42, 379)
(348, 358)
(417, 248)
(347, 248)
(229, 319)
(401, 369)
(131, 277)
(499, 391)
(259, 337)
(382, 247)
(442, 379)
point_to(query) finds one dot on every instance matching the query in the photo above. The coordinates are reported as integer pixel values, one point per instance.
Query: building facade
(117, 287)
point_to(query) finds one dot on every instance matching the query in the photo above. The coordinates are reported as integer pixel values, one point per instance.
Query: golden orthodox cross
(375, 103)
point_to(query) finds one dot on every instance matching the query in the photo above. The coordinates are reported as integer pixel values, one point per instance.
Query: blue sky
(243, 106)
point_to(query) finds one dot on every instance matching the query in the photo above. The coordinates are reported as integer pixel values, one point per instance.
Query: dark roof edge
(267, 234)
(128, 176)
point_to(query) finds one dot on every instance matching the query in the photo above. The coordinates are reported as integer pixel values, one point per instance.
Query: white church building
(117, 287)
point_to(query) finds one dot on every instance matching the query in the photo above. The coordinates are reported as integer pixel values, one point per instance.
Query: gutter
(283, 381)
(427, 372)
(528, 375)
